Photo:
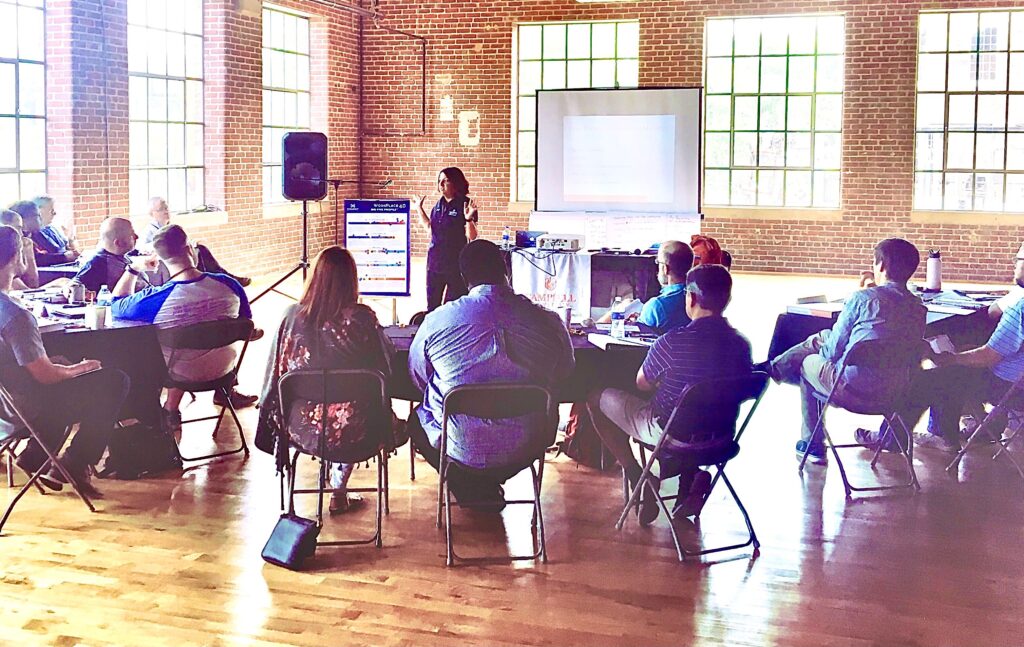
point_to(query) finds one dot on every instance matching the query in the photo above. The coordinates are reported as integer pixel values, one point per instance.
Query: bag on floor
(139, 450)
(582, 444)
(292, 542)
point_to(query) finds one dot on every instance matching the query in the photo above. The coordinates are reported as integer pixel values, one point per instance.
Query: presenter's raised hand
(417, 201)
(471, 210)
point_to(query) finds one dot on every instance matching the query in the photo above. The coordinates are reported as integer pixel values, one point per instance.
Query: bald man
(667, 310)
(29, 278)
(108, 263)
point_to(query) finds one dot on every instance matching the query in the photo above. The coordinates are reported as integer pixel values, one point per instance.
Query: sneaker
(815, 455)
(238, 400)
(648, 509)
(170, 421)
(48, 481)
(693, 503)
(257, 334)
(244, 281)
(343, 502)
(931, 441)
(766, 367)
(870, 439)
(82, 476)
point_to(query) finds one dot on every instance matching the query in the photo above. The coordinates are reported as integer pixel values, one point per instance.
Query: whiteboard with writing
(625, 230)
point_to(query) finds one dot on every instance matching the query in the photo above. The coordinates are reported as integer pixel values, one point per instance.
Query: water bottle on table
(104, 297)
(618, 319)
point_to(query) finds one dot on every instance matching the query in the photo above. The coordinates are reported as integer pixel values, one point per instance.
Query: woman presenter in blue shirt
(451, 224)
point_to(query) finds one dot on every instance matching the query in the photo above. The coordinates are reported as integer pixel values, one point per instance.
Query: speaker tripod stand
(301, 266)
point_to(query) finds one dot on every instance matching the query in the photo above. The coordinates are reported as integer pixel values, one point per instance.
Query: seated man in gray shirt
(489, 335)
(52, 396)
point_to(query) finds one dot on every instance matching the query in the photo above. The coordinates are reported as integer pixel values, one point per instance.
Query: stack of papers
(603, 341)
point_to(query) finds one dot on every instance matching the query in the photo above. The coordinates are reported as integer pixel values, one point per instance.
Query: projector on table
(560, 242)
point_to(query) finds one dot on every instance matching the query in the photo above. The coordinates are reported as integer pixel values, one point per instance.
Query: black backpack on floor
(140, 450)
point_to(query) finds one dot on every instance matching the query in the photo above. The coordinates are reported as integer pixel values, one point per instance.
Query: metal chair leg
(383, 458)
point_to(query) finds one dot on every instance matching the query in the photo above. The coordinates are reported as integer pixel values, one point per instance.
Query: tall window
(22, 100)
(560, 55)
(285, 89)
(774, 111)
(970, 112)
(165, 103)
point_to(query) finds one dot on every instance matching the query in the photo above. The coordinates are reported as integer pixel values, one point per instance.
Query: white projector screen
(619, 150)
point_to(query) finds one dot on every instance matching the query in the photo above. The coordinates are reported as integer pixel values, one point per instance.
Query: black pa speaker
(305, 166)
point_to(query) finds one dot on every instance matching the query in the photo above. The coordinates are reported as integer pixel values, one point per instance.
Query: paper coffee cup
(96, 317)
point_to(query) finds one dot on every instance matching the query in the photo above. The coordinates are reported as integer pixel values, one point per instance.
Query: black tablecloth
(615, 367)
(129, 347)
(965, 331)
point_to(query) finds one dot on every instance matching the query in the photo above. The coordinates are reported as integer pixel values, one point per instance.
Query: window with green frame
(559, 55)
(773, 119)
(969, 148)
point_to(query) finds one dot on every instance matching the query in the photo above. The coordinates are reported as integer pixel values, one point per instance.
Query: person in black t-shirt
(451, 224)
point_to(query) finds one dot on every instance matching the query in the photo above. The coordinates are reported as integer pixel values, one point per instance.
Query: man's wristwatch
(131, 270)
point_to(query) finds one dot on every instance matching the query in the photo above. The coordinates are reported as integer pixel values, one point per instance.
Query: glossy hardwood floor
(176, 560)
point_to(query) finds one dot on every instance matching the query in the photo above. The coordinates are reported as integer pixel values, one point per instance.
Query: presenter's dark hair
(333, 287)
(456, 177)
(170, 242)
(712, 285)
(481, 263)
(26, 209)
(899, 257)
(10, 243)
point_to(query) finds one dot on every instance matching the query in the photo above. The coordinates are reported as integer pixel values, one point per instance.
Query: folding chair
(876, 354)
(701, 431)
(332, 386)
(495, 401)
(209, 335)
(1009, 407)
(12, 433)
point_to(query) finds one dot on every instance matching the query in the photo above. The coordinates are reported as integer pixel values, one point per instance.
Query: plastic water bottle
(618, 319)
(104, 297)
(506, 238)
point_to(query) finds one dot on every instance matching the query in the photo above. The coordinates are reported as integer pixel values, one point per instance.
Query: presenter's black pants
(446, 286)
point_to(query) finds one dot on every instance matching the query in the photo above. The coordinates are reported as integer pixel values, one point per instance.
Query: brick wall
(470, 58)
(87, 93)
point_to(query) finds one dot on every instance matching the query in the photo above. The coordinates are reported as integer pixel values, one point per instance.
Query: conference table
(129, 346)
(615, 367)
(963, 329)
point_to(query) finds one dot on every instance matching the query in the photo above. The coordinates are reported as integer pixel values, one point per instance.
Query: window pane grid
(966, 144)
(761, 68)
(166, 122)
(558, 55)
(286, 93)
(22, 100)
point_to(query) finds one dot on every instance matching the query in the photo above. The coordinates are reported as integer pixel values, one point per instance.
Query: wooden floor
(176, 560)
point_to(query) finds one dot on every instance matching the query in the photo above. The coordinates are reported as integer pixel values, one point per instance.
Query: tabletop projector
(560, 242)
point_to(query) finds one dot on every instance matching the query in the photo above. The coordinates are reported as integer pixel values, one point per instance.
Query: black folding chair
(16, 431)
(701, 431)
(496, 401)
(873, 354)
(209, 335)
(1008, 408)
(333, 386)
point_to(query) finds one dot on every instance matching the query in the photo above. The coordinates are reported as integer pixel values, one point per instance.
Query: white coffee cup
(96, 317)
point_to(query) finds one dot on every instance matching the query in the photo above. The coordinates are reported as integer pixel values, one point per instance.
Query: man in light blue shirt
(489, 335)
(668, 310)
(888, 311)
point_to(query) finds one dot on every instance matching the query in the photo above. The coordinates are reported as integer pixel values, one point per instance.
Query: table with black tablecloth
(129, 346)
(615, 367)
(964, 330)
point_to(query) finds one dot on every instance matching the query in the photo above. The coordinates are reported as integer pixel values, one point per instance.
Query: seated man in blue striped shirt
(709, 347)
(488, 335)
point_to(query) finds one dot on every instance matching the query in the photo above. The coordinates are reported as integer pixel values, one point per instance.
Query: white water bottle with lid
(618, 330)
(933, 272)
(506, 238)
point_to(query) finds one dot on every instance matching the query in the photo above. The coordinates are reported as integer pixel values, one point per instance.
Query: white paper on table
(603, 341)
(941, 344)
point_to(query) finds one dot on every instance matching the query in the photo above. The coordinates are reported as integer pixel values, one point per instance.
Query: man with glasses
(667, 310)
(996, 310)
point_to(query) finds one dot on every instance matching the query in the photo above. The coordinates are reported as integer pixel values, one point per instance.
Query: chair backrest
(418, 318)
(332, 386)
(726, 259)
(498, 400)
(707, 411)
(886, 354)
(206, 335)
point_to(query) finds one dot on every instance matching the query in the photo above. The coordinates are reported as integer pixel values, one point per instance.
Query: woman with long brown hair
(327, 328)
